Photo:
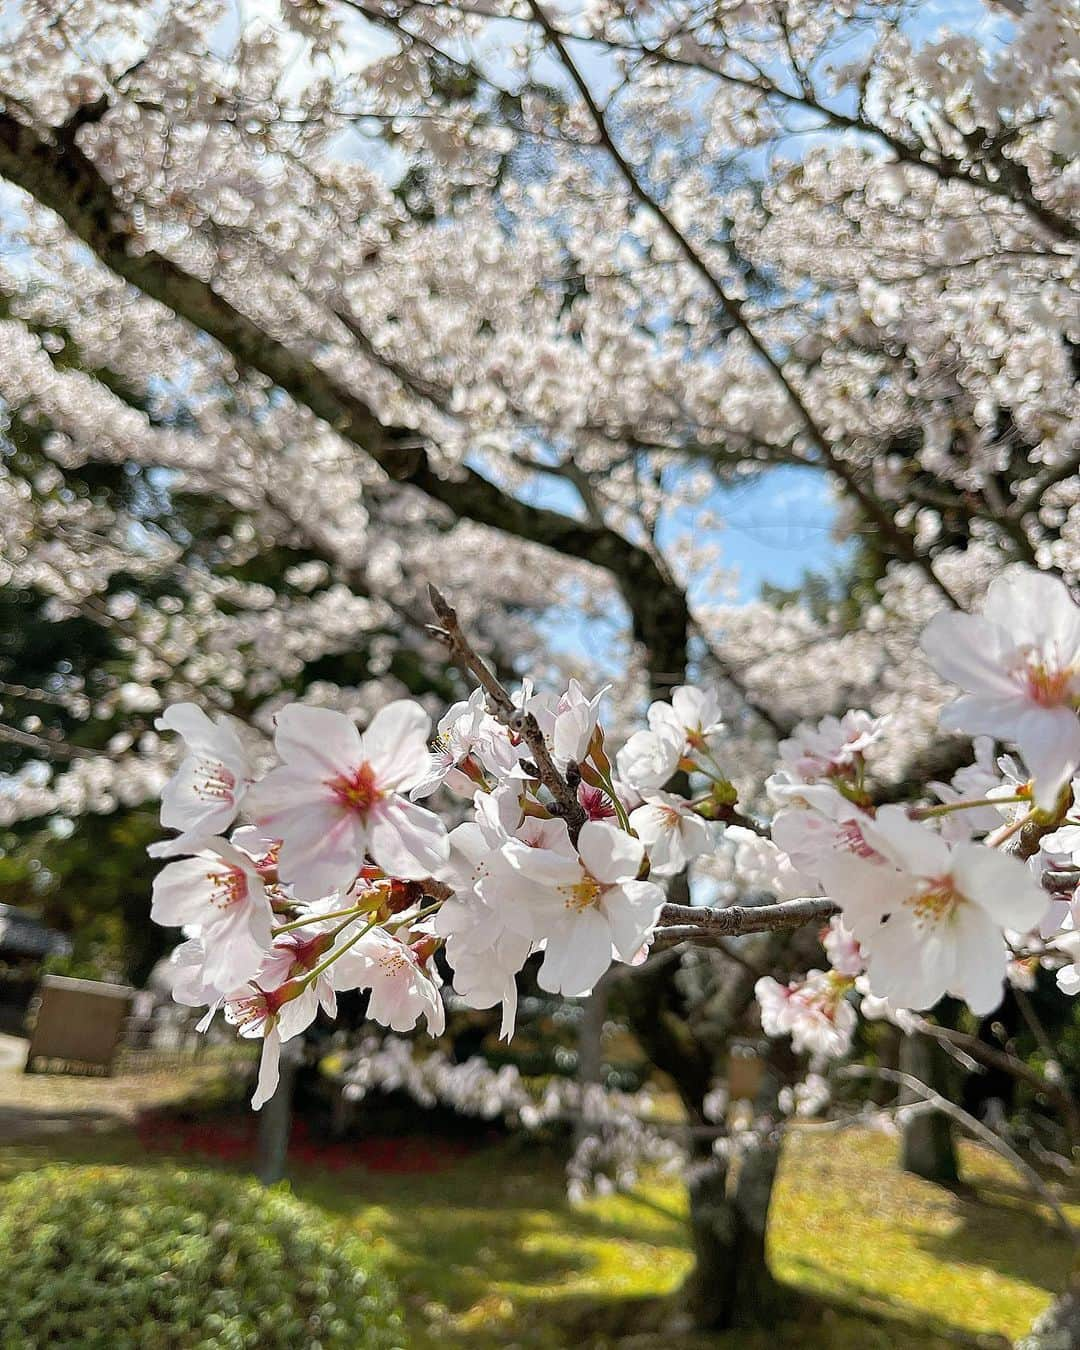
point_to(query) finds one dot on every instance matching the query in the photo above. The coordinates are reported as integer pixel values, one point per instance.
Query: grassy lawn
(487, 1252)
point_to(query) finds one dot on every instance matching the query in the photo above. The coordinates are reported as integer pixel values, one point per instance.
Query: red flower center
(357, 791)
(1048, 687)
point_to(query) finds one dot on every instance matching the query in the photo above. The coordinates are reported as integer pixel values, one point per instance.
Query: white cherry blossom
(584, 906)
(930, 918)
(1019, 665)
(574, 722)
(672, 832)
(220, 891)
(204, 795)
(337, 796)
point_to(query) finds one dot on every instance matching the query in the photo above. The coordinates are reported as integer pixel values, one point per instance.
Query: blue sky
(777, 526)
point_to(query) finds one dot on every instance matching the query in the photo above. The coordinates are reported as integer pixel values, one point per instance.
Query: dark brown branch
(520, 722)
(901, 539)
(59, 175)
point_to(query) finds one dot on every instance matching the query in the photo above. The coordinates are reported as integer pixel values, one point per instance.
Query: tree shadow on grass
(998, 1228)
(490, 1254)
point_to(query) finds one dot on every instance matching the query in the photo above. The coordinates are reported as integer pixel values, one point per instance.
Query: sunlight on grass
(488, 1252)
(848, 1225)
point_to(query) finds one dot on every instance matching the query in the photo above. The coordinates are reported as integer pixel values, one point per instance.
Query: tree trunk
(927, 1148)
(275, 1120)
(731, 1285)
(590, 1065)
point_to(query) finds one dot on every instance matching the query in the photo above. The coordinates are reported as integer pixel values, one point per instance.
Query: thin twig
(973, 1126)
(997, 1058)
(518, 720)
(43, 745)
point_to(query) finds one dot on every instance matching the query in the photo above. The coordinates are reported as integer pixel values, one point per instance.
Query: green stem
(317, 918)
(316, 971)
(620, 810)
(925, 812)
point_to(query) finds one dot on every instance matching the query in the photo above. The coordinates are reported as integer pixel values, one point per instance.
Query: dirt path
(37, 1106)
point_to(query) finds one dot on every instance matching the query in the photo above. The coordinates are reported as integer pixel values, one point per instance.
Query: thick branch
(60, 176)
(680, 923)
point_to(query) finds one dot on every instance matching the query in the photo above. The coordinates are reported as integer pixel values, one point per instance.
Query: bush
(149, 1259)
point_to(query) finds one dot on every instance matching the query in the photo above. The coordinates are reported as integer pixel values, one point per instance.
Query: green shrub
(150, 1259)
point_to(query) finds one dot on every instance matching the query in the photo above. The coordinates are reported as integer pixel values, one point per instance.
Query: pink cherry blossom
(1019, 665)
(337, 796)
(833, 748)
(401, 987)
(220, 891)
(274, 1016)
(813, 1011)
(203, 796)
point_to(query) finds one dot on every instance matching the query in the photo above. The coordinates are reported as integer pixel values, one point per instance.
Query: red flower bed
(233, 1139)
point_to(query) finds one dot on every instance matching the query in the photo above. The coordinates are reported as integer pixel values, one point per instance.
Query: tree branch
(518, 720)
(901, 539)
(60, 176)
(680, 923)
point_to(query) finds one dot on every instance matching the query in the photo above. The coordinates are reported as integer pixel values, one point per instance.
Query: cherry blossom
(844, 953)
(204, 795)
(219, 891)
(833, 748)
(584, 907)
(814, 1012)
(336, 796)
(575, 717)
(456, 736)
(401, 988)
(1019, 664)
(274, 1016)
(930, 919)
(672, 831)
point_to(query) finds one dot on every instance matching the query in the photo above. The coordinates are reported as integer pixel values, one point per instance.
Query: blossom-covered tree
(496, 295)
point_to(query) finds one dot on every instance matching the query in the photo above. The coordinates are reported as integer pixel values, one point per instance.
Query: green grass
(489, 1254)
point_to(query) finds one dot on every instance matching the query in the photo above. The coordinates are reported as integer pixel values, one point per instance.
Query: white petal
(915, 848)
(1049, 741)
(576, 955)
(407, 840)
(268, 1069)
(981, 961)
(395, 744)
(319, 742)
(970, 651)
(632, 910)
(610, 854)
(322, 849)
(1001, 886)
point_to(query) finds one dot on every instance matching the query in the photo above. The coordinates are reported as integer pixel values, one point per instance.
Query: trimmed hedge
(151, 1259)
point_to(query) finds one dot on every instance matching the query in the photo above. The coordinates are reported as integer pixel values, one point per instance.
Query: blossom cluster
(343, 879)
